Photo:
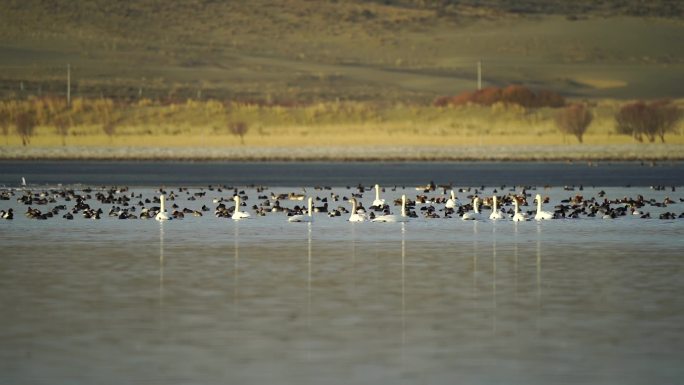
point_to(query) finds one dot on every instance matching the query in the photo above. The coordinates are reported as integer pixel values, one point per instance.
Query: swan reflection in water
(236, 265)
(308, 276)
(539, 276)
(475, 249)
(403, 288)
(161, 269)
(494, 280)
(308, 288)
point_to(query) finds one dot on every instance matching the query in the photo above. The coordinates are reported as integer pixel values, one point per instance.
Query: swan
(496, 214)
(355, 216)
(237, 214)
(162, 215)
(394, 217)
(541, 215)
(451, 202)
(517, 215)
(301, 217)
(475, 214)
(378, 202)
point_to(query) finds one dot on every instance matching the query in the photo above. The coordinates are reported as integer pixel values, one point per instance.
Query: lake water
(205, 300)
(342, 174)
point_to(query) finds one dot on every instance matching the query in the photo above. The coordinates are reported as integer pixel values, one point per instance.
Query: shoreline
(512, 153)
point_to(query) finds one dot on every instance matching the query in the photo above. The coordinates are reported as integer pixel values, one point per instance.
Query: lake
(209, 300)
(341, 174)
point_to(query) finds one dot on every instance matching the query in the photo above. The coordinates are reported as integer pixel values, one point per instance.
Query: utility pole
(68, 85)
(479, 74)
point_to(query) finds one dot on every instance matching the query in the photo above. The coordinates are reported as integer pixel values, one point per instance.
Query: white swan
(378, 202)
(451, 202)
(541, 215)
(237, 214)
(162, 215)
(496, 214)
(301, 217)
(394, 217)
(475, 214)
(355, 216)
(517, 215)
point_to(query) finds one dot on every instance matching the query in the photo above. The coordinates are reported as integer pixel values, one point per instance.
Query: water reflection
(236, 265)
(161, 268)
(403, 286)
(515, 258)
(308, 290)
(494, 279)
(475, 249)
(539, 276)
(353, 254)
(308, 276)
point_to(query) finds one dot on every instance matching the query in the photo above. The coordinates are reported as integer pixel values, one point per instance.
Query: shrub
(25, 123)
(574, 120)
(62, 123)
(238, 129)
(109, 128)
(5, 119)
(667, 117)
(651, 120)
(513, 94)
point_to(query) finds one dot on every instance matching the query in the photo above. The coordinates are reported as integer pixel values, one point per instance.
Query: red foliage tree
(520, 95)
(513, 94)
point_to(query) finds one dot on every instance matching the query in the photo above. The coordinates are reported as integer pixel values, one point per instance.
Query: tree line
(642, 120)
(638, 119)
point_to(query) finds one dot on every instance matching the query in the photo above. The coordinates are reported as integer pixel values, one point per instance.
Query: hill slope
(298, 50)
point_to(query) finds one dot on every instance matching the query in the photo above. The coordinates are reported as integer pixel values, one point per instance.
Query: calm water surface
(341, 174)
(212, 301)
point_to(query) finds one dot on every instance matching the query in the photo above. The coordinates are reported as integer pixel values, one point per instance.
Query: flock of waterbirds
(430, 202)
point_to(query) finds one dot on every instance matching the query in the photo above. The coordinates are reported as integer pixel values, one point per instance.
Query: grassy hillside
(299, 51)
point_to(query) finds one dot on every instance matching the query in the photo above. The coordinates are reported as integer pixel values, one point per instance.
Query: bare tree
(667, 116)
(109, 128)
(238, 129)
(630, 118)
(62, 123)
(652, 120)
(5, 120)
(574, 120)
(25, 123)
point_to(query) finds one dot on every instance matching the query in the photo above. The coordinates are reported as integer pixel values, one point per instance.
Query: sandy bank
(355, 153)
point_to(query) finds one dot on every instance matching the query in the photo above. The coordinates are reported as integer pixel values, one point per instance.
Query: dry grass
(329, 139)
(206, 124)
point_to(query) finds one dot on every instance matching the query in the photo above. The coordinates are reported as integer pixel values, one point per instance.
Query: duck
(295, 197)
(302, 217)
(541, 215)
(393, 217)
(237, 214)
(9, 215)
